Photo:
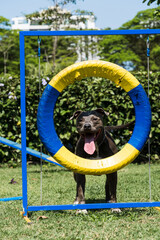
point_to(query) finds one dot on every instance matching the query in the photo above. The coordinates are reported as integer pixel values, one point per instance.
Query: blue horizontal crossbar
(10, 199)
(91, 32)
(29, 150)
(95, 206)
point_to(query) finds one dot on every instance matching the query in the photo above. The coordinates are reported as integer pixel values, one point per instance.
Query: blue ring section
(45, 120)
(143, 117)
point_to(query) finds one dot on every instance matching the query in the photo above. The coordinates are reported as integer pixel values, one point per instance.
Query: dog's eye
(95, 119)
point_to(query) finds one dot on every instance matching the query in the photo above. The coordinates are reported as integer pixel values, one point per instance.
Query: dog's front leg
(80, 191)
(80, 188)
(111, 187)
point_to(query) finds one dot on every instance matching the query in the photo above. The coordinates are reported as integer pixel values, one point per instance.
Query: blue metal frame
(27, 208)
(28, 150)
(91, 32)
(94, 206)
(10, 199)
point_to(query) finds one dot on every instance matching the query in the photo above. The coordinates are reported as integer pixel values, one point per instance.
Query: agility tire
(121, 78)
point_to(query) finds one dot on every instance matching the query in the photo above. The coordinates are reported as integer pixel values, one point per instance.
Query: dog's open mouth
(89, 139)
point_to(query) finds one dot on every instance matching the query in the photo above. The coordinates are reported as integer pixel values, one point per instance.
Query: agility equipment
(25, 150)
(122, 78)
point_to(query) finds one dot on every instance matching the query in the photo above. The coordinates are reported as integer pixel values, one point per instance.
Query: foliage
(4, 22)
(86, 94)
(95, 93)
(56, 52)
(54, 17)
(57, 17)
(65, 54)
(9, 43)
(151, 1)
(130, 50)
(143, 19)
(117, 49)
(9, 53)
(64, 2)
(9, 49)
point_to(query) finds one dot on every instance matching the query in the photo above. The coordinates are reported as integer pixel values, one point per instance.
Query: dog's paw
(76, 202)
(81, 211)
(116, 210)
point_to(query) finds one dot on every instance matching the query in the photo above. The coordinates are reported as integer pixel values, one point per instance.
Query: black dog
(95, 142)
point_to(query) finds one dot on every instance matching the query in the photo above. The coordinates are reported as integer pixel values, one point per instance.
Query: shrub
(85, 95)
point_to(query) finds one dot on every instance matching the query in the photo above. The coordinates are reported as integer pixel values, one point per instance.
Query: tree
(151, 1)
(8, 44)
(117, 49)
(4, 23)
(56, 17)
(56, 52)
(59, 18)
(130, 50)
(5, 45)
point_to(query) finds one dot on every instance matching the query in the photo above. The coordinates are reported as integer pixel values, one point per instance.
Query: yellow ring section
(96, 167)
(120, 77)
(96, 68)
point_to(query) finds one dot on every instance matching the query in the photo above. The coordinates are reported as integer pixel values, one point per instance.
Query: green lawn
(59, 188)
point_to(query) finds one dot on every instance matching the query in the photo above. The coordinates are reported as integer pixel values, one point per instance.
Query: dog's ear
(75, 115)
(102, 112)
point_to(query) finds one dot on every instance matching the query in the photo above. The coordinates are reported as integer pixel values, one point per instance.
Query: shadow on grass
(90, 200)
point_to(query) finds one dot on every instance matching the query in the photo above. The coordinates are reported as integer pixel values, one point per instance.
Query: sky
(109, 13)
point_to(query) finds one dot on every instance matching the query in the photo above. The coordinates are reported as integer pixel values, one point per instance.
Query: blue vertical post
(23, 122)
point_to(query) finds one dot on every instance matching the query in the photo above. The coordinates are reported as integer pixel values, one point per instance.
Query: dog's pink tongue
(89, 146)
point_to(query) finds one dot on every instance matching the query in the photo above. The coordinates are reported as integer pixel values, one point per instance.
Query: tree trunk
(55, 40)
(5, 62)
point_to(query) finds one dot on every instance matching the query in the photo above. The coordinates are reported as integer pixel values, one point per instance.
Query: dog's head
(90, 127)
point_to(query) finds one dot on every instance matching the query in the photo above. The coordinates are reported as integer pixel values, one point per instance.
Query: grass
(59, 188)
